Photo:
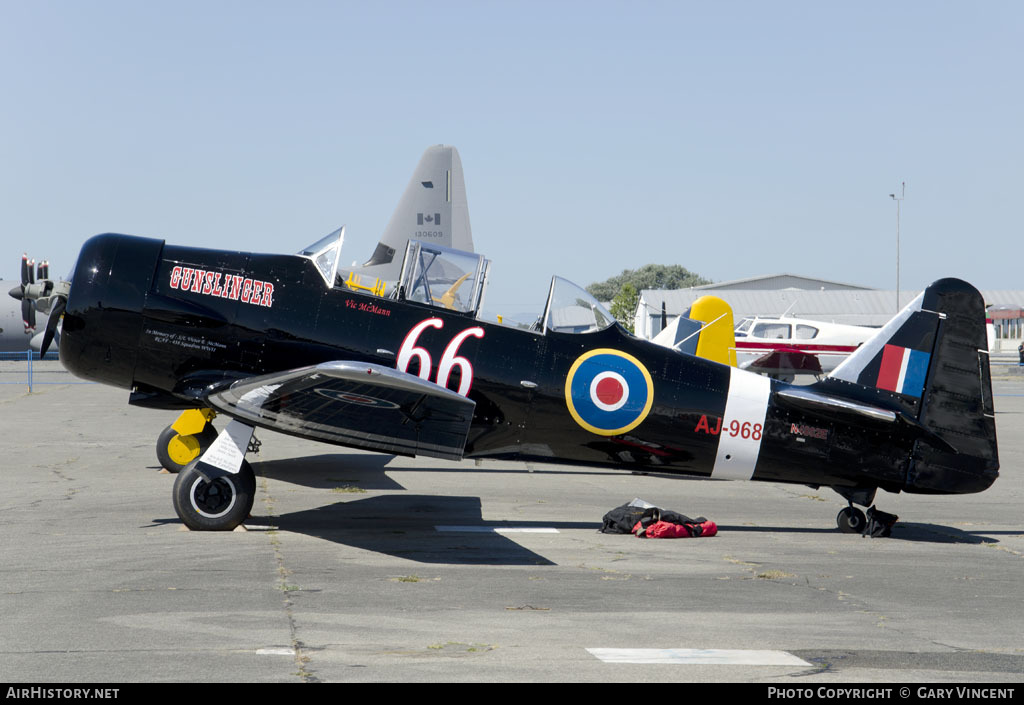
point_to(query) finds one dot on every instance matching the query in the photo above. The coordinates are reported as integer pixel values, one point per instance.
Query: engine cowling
(103, 317)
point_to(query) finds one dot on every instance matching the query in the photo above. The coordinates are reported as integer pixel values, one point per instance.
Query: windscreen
(325, 253)
(572, 310)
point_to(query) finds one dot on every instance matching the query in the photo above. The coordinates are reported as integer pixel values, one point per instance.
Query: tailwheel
(851, 520)
(176, 450)
(219, 503)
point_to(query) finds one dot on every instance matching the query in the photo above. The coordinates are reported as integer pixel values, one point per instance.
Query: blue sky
(733, 138)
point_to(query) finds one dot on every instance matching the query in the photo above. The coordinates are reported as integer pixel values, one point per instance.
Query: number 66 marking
(449, 359)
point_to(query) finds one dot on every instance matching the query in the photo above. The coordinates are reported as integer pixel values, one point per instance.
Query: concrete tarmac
(363, 567)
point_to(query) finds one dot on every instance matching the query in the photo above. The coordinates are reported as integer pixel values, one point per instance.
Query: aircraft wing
(356, 404)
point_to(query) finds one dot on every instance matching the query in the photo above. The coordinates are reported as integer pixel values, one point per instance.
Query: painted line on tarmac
(699, 657)
(497, 529)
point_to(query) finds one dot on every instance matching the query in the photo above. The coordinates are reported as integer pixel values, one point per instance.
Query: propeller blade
(24, 269)
(51, 325)
(26, 314)
(31, 271)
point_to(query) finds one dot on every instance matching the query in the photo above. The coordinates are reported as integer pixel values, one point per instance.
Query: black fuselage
(172, 322)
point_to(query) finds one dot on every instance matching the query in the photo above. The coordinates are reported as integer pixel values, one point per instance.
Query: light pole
(899, 201)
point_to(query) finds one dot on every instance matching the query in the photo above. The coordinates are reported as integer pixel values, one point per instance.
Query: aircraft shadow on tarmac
(902, 531)
(368, 471)
(405, 526)
(331, 471)
(402, 525)
(422, 528)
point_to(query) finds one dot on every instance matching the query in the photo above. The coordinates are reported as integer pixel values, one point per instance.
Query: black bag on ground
(621, 520)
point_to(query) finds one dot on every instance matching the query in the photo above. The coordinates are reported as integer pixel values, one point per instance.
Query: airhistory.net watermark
(41, 693)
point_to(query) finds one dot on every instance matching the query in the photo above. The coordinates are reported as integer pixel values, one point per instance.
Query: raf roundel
(608, 392)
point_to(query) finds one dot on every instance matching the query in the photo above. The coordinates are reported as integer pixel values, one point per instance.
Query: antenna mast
(899, 202)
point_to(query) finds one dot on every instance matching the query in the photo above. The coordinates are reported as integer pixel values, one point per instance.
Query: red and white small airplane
(783, 346)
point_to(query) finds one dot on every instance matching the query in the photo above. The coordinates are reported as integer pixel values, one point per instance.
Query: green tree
(624, 305)
(650, 276)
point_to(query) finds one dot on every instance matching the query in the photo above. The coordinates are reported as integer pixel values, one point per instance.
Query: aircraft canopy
(441, 276)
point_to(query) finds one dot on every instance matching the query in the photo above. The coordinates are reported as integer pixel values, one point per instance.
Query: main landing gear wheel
(851, 520)
(175, 451)
(220, 505)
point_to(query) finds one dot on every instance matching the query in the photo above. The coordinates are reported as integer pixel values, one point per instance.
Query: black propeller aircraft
(282, 342)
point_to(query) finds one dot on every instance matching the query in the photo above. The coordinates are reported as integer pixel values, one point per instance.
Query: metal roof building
(782, 281)
(851, 305)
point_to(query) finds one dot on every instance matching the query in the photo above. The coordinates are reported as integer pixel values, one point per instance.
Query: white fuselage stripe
(739, 442)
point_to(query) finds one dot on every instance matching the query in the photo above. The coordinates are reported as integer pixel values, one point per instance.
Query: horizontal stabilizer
(681, 334)
(858, 413)
(360, 405)
(837, 408)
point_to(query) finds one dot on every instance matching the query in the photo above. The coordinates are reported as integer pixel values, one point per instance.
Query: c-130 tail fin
(433, 209)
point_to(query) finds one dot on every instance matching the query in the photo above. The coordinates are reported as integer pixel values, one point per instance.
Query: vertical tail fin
(933, 360)
(433, 209)
(705, 330)
(717, 338)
